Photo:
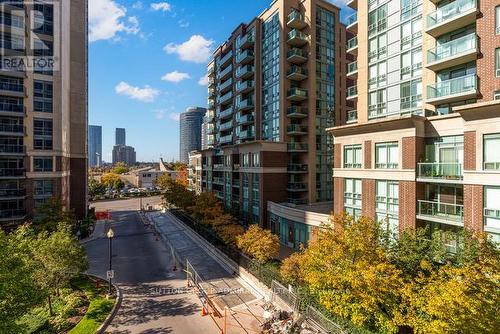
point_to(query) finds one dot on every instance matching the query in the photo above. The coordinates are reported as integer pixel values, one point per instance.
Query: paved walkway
(225, 290)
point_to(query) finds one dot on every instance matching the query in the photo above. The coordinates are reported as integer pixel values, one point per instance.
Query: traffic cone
(204, 311)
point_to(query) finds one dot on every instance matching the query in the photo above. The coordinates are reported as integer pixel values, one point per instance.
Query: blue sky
(147, 61)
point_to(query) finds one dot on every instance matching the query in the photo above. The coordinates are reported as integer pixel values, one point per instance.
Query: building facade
(275, 86)
(194, 172)
(125, 154)
(423, 125)
(43, 109)
(120, 137)
(190, 131)
(95, 146)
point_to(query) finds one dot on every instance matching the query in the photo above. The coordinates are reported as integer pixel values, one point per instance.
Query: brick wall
(470, 150)
(485, 27)
(368, 154)
(473, 207)
(338, 195)
(337, 156)
(409, 153)
(368, 198)
(407, 204)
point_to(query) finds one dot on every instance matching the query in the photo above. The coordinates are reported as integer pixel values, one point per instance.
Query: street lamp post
(110, 235)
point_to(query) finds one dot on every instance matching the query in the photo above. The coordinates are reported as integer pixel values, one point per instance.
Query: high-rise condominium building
(43, 107)
(274, 87)
(95, 146)
(422, 146)
(120, 136)
(125, 154)
(191, 122)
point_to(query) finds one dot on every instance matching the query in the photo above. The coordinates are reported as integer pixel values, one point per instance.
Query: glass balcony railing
(225, 98)
(297, 168)
(453, 48)
(297, 147)
(297, 54)
(11, 107)
(226, 113)
(11, 149)
(226, 84)
(245, 56)
(295, 16)
(225, 72)
(444, 211)
(226, 57)
(12, 172)
(225, 126)
(352, 43)
(245, 119)
(12, 193)
(13, 128)
(440, 170)
(244, 85)
(295, 128)
(246, 134)
(11, 87)
(297, 38)
(352, 19)
(352, 116)
(12, 213)
(352, 91)
(297, 92)
(297, 111)
(245, 104)
(461, 85)
(450, 12)
(246, 40)
(352, 67)
(226, 139)
(296, 72)
(244, 71)
(297, 186)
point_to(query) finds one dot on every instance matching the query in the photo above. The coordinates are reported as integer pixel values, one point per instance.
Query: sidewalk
(99, 231)
(224, 289)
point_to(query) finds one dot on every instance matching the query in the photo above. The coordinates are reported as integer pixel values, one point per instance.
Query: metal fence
(318, 319)
(284, 297)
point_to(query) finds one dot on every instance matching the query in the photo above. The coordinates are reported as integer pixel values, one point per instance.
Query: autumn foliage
(259, 243)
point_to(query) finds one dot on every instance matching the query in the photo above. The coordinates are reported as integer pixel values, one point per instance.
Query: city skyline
(148, 97)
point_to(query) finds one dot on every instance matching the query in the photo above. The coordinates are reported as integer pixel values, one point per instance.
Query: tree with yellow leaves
(259, 243)
(207, 207)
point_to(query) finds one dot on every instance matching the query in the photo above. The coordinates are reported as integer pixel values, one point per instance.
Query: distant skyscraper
(122, 153)
(95, 145)
(120, 138)
(190, 131)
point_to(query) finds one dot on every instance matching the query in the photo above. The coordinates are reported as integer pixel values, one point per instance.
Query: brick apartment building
(275, 86)
(421, 143)
(43, 111)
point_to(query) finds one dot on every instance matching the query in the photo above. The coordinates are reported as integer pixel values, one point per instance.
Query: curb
(113, 312)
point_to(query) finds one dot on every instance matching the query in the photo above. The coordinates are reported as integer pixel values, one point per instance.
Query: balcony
(439, 171)
(297, 94)
(12, 214)
(226, 113)
(11, 149)
(211, 82)
(225, 60)
(245, 119)
(212, 92)
(352, 45)
(447, 213)
(218, 180)
(12, 193)
(352, 23)
(13, 89)
(245, 104)
(297, 112)
(452, 16)
(459, 51)
(13, 129)
(453, 90)
(211, 69)
(297, 168)
(297, 56)
(247, 41)
(224, 99)
(352, 70)
(243, 87)
(219, 194)
(226, 85)
(226, 73)
(352, 116)
(296, 73)
(226, 139)
(296, 186)
(247, 134)
(10, 107)
(226, 126)
(352, 92)
(245, 57)
(297, 38)
(245, 72)
(297, 147)
(296, 130)
(353, 4)
(296, 20)
(12, 173)
(210, 129)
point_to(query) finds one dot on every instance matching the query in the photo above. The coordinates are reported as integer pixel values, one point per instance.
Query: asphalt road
(152, 302)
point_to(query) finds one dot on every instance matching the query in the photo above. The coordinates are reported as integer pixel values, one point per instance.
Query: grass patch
(79, 309)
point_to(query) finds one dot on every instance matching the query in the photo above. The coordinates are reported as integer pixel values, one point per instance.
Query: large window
(42, 134)
(411, 95)
(387, 204)
(497, 20)
(42, 96)
(497, 62)
(411, 64)
(352, 156)
(353, 197)
(377, 103)
(43, 188)
(42, 164)
(492, 211)
(491, 144)
(387, 155)
(411, 33)
(377, 20)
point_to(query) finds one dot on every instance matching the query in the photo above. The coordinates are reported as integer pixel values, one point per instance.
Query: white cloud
(203, 80)
(183, 24)
(197, 49)
(146, 94)
(175, 76)
(137, 5)
(107, 18)
(160, 114)
(175, 116)
(163, 6)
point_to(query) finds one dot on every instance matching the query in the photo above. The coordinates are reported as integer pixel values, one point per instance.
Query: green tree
(51, 213)
(259, 243)
(113, 181)
(207, 207)
(58, 257)
(164, 182)
(120, 168)
(19, 292)
(96, 188)
(179, 196)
